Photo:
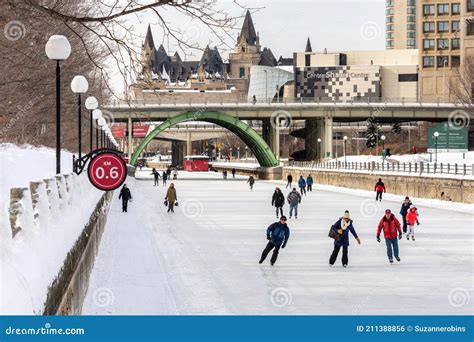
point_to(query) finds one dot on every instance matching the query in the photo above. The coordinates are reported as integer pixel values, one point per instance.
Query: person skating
(171, 197)
(309, 183)
(224, 174)
(404, 210)
(380, 189)
(289, 179)
(412, 218)
(165, 177)
(251, 182)
(390, 226)
(168, 173)
(343, 226)
(156, 175)
(175, 173)
(233, 172)
(294, 198)
(278, 234)
(302, 185)
(278, 201)
(126, 196)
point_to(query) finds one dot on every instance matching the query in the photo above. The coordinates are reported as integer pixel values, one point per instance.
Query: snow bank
(443, 157)
(47, 217)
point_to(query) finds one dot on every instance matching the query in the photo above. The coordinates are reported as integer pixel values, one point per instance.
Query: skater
(126, 196)
(175, 173)
(156, 175)
(390, 226)
(168, 173)
(251, 181)
(233, 172)
(404, 210)
(294, 198)
(165, 177)
(412, 218)
(289, 179)
(379, 188)
(171, 197)
(278, 234)
(343, 226)
(224, 174)
(302, 185)
(278, 200)
(309, 183)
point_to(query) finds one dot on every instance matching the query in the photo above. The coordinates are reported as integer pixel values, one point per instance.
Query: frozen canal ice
(204, 258)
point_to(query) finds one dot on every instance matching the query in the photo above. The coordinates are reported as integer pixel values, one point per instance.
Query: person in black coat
(404, 211)
(156, 174)
(126, 196)
(289, 179)
(165, 177)
(278, 201)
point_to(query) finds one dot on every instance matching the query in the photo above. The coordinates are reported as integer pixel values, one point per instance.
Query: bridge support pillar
(189, 144)
(314, 131)
(130, 136)
(177, 152)
(327, 140)
(271, 135)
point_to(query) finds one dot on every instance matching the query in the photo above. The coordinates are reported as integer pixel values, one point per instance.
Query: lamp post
(436, 135)
(91, 104)
(230, 154)
(238, 152)
(246, 152)
(344, 142)
(58, 48)
(383, 147)
(101, 122)
(319, 148)
(79, 86)
(96, 115)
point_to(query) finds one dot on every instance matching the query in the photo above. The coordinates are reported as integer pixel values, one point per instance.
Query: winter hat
(388, 211)
(413, 209)
(283, 218)
(346, 214)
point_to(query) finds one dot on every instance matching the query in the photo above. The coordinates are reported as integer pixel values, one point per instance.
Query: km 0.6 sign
(107, 171)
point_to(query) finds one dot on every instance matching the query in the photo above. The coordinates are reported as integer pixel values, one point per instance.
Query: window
(407, 77)
(470, 27)
(442, 61)
(470, 5)
(429, 26)
(428, 44)
(411, 10)
(389, 43)
(455, 26)
(428, 61)
(389, 11)
(307, 60)
(411, 43)
(389, 35)
(411, 26)
(443, 9)
(455, 43)
(389, 27)
(389, 20)
(443, 44)
(242, 72)
(443, 26)
(455, 61)
(411, 34)
(429, 9)
(389, 3)
(456, 8)
(411, 18)
(411, 3)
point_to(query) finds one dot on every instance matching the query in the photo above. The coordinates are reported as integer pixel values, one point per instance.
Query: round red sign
(107, 171)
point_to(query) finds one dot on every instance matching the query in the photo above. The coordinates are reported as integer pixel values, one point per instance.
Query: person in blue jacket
(309, 183)
(302, 185)
(343, 226)
(278, 234)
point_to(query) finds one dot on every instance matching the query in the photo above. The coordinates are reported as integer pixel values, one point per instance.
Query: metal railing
(400, 167)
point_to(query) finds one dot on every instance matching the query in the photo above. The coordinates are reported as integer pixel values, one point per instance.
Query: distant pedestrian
(156, 175)
(251, 182)
(224, 174)
(302, 185)
(278, 234)
(168, 173)
(175, 173)
(412, 218)
(126, 196)
(342, 227)
(294, 198)
(404, 210)
(309, 183)
(278, 201)
(289, 179)
(254, 99)
(390, 226)
(165, 177)
(233, 172)
(380, 189)
(171, 197)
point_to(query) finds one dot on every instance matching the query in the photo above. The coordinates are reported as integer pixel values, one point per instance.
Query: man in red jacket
(380, 189)
(390, 226)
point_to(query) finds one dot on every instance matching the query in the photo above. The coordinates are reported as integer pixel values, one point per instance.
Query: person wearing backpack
(278, 234)
(342, 227)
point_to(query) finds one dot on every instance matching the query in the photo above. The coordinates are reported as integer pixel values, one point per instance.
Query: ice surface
(204, 258)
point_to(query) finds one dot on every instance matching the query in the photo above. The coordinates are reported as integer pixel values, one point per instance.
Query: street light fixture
(344, 142)
(319, 148)
(101, 122)
(238, 152)
(436, 135)
(79, 86)
(58, 48)
(96, 115)
(383, 147)
(91, 104)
